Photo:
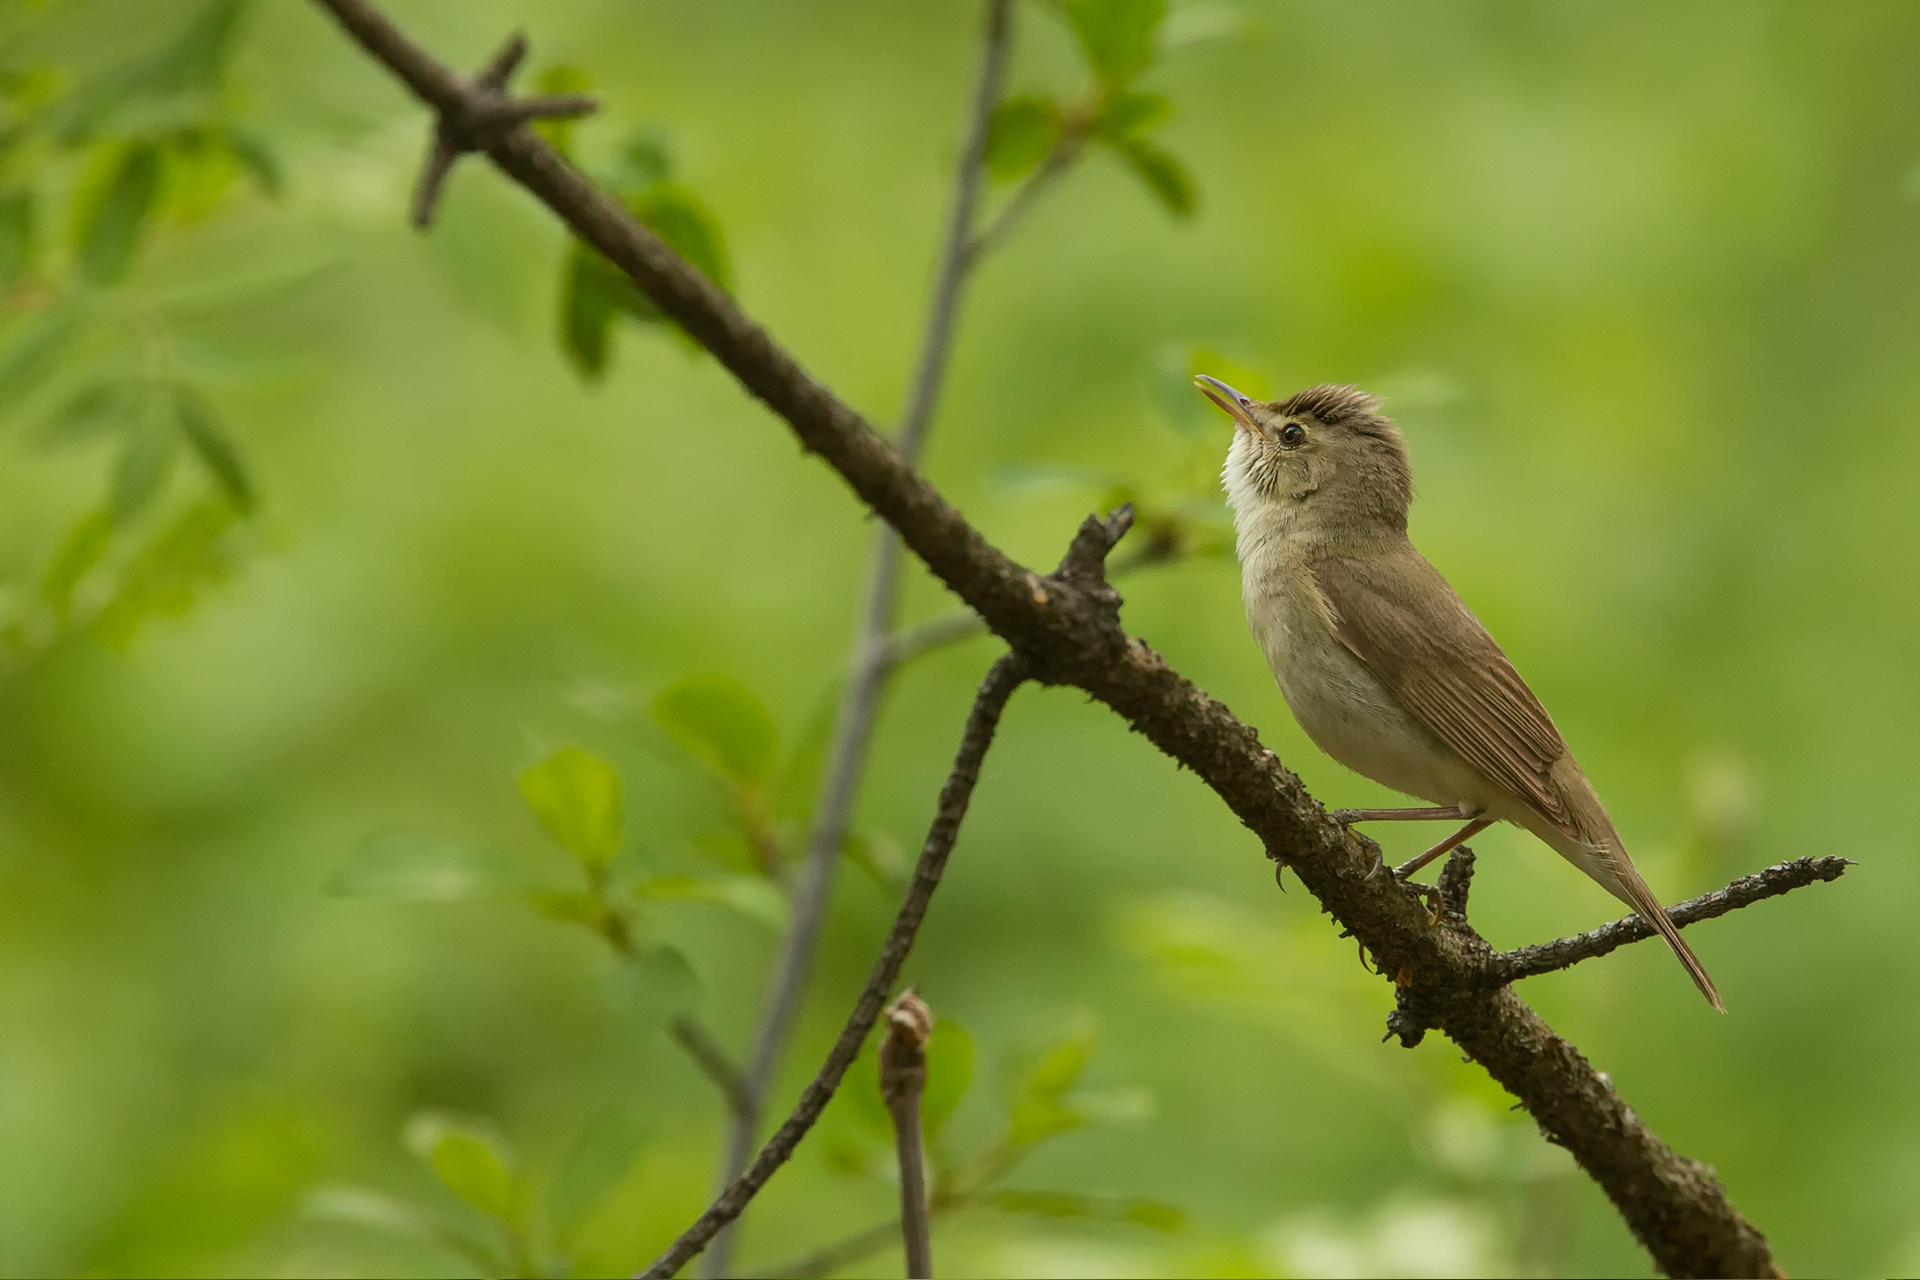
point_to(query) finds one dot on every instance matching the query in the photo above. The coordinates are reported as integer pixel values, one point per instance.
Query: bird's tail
(1634, 892)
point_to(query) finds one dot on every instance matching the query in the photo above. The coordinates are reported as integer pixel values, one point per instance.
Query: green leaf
(1040, 1109)
(378, 1211)
(1131, 113)
(949, 1071)
(1066, 1204)
(144, 461)
(82, 550)
(256, 157)
(645, 160)
(213, 446)
(110, 230)
(419, 868)
(1022, 132)
(170, 571)
(16, 236)
(586, 311)
(561, 78)
(720, 722)
(577, 798)
(1116, 35)
(95, 409)
(676, 215)
(597, 1162)
(1164, 175)
(653, 987)
(30, 357)
(877, 855)
(755, 897)
(473, 1163)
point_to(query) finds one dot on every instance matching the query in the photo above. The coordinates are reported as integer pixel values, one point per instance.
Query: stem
(903, 1079)
(1002, 679)
(859, 705)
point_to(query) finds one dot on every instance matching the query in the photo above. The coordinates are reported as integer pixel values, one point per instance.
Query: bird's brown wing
(1403, 620)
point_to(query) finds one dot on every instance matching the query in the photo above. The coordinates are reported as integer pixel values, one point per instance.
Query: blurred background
(316, 533)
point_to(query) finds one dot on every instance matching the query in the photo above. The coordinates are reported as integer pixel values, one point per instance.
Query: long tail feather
(1648, 908)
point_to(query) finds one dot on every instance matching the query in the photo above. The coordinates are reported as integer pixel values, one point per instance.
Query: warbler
(1377, 657)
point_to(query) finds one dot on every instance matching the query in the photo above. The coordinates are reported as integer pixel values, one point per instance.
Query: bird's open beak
(1237, 405)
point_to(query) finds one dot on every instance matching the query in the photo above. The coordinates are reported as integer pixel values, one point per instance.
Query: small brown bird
(1383, 666)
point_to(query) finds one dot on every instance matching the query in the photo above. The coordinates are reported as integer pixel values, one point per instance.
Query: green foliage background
(1641, 280)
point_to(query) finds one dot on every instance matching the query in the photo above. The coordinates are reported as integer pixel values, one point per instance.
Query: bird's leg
(1451, 813)
(1446, 846)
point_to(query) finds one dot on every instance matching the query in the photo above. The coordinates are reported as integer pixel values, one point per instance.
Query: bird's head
(1327, 452)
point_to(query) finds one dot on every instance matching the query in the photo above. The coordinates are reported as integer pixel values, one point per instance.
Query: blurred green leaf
(1129, 113)
(654, 986)
(213, 446)
(98, 407)
(678, 217)
(473, 1163)
(145, 457)
(949, 1072)
(720, 722)
(755, 897)
(170, 571)
(1022, 132)
(646, 158)
(1163, 173)
(1065, 1204)
(404, 865)
(587, 293)
(561, 78)
(110, 228)
(16, 236)
(597, 1162)
(256, 157)
(878, 855)
(31, 352)
(378, 1211)
(1116, 35)
(81, 551)
(566, 906)
(1040, 1108)
(577, 798)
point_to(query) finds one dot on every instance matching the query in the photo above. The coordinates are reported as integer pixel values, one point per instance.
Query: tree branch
(860, 703)
(1564, 953)
(1069, 632)
(1007, 674)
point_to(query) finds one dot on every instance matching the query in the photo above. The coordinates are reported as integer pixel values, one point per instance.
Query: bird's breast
(1348, 713)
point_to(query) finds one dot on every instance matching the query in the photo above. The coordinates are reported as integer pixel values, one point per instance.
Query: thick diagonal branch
(1002, 679)
(1070, 632)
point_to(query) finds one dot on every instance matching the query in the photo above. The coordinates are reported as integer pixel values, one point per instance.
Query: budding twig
(903, 1078)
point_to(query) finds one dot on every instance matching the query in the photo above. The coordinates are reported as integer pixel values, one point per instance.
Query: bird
(1380, 661)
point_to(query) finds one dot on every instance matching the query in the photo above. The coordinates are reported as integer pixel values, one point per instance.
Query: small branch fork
(1065, 629)
(486, 110)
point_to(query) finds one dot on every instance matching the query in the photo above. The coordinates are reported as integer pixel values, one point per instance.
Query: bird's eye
(1292, 434)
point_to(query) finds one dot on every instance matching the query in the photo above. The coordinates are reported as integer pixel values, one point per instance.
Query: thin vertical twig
(860, 703)
(903, 1080)
(1006, 675)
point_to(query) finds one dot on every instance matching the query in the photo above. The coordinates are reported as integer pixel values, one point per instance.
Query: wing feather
(1406, 624)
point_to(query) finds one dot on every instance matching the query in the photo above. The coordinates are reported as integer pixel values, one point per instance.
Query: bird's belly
(1352, 717)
